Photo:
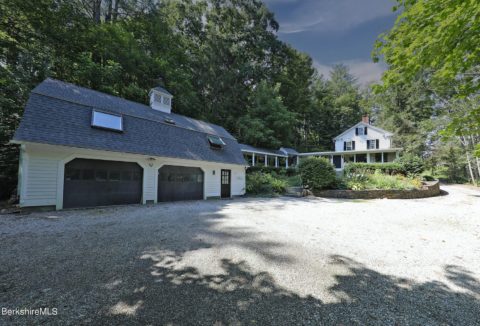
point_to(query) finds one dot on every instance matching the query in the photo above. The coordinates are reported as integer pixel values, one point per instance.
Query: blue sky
(335, 31)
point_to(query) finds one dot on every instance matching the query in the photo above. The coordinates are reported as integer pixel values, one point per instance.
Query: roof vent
(161, 99)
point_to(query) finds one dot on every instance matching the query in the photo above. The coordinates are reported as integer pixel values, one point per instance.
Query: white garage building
(82, 148)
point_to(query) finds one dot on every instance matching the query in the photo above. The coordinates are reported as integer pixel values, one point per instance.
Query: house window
(360, 131)
(348, 146)
(372, 144)
(166, 100)
(107, 120)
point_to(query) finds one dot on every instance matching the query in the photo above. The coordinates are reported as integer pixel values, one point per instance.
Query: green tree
(267, 123)
(439, 38)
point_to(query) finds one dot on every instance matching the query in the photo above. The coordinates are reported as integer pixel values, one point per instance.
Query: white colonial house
(360, 143)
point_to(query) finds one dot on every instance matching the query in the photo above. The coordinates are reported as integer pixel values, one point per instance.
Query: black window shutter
(365, 131)
(356, 131)
(344, 145)
(377, 143)
(368, 144)
(353, 145)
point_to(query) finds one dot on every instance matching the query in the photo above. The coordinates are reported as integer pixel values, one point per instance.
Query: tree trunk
(472, 177)
(97, 7)
(115, 10)
(478, 166)
(108, 15)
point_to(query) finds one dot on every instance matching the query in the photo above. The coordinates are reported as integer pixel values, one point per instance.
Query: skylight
(107, 120)
(215, 141)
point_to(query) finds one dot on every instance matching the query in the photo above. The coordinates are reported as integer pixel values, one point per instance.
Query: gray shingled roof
(250, 148)
(289, 151)
(59, 113)
(161, 89)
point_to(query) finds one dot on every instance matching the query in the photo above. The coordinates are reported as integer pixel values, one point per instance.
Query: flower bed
(428, 189)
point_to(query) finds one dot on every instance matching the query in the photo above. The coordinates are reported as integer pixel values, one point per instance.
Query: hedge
(386, 168)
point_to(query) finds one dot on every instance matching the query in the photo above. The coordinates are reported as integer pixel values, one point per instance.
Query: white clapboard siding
(40, 173)
(41, 181)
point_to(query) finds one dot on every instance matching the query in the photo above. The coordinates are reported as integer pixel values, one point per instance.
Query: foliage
(336, 107)
(258, 183)
(411, 164)
(294, 180)
(317, 173)
(436, 37)
(406, 110)
(364, 168)
(267, 122)
(371, 181)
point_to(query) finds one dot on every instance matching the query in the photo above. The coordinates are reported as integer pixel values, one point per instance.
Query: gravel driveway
(249, 261)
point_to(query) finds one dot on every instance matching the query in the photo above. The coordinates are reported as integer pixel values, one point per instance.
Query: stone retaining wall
(429, 189)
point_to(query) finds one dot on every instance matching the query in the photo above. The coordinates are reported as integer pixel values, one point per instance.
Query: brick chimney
(366, 119)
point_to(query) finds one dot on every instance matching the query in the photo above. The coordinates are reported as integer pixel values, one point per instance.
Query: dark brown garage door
(97, 183)
(179, 183)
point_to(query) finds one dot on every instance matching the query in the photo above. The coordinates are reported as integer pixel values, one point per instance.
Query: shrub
(317, 173)
(381, 181)
(270, 169)
(412, 164)
(428, 178)
(264, 183)
(362, 168)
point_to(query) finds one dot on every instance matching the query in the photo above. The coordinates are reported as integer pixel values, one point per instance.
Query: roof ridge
(123, 99)
(130, 115)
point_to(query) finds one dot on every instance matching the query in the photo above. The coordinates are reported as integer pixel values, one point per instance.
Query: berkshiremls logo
(45, 311)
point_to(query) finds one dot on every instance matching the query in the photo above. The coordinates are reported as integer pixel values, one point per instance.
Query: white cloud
(366, 72)
(332, 15)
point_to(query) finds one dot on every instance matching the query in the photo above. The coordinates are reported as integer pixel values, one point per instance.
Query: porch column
(382, 157)
(298, 160)
(286, 162)
(397, 154)
(368, 157)
(266, 160)
(276, 161)
(253, 159)
(355, 158)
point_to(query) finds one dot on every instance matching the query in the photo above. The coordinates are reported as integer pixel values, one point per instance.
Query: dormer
(161, 99)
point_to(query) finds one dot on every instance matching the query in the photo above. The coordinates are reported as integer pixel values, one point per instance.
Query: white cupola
(161, 99)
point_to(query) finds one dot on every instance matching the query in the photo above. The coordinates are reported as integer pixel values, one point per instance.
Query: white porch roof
(387, 150)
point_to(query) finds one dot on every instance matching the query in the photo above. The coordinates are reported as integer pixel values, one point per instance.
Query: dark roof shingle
(59, 113)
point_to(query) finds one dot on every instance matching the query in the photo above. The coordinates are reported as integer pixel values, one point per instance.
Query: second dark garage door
(179, 183)
(97, 183)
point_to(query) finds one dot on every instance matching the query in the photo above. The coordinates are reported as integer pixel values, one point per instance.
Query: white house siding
(361, 141)
(43, 173)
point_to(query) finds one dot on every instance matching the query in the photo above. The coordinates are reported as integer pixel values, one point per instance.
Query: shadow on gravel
(125, 267)
(239, 296)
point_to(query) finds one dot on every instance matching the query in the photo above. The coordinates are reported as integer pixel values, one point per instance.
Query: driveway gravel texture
(280, 261)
